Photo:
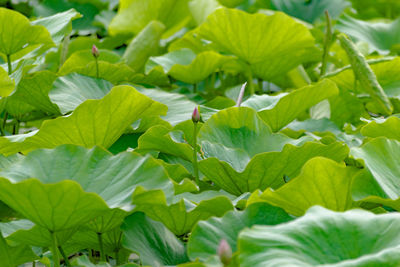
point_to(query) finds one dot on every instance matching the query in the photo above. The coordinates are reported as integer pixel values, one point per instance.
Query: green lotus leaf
(144, 45)
(235, 135)
(49, 205)
(323, 237)
(381, 157)
(69, 91)
(19, 35)
(380, 36)
(6, 83)
(114, 178)
(165, 139)
(206, 236)
(15, 255)
(200, 9)
(180, 108)
(110, 68)
(119, 109)
(321, 182)
(271, 45)
(184, 65)
(181, 214)
(112, 242)
(134, 15)
(290, 106)
(369, 9)
(59, 25)
(33, 90)
(155, 244)
(269, 169)
(310, 11)
(26, 232)
(388, 128)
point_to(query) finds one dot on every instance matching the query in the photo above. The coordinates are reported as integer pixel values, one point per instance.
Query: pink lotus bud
(196, 115)
(95, 51)
(224, 252)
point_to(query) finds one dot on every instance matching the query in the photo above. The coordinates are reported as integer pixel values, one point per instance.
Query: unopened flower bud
(95, 51)
(196, 115)
(224, 252)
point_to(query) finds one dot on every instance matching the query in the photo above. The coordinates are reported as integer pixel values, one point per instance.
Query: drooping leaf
(206, 236)
(134, 15)
(119, 109)
(321, 182)
(388, 128)
(292, 105)
(271, 45)
(180, 108)
(19, 34)
(181, 214)
(323, 237)
(33, 90)
(184, 65)
(15, 255)
(49, 205)
(58, 25)
(381, 157)
(114, 178)
(69, 91)
(155, 244)
(144, 45)
(110, 68)
(235, 135)
(271, 169)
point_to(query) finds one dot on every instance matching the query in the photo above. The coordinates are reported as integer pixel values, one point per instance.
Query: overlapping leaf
(323, 237)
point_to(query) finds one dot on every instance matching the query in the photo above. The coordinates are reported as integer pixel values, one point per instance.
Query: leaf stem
(117, 256)
(195, 163)
(33, 263)
(9, 64)
(54, 250)
(327, 43)
(66, 260)
(97, 67)
(250, 83)
(195, 88)
(102, 254)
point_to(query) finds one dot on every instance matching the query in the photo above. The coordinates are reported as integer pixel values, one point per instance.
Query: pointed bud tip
(95, 51)
(224, 252)
(196, 115)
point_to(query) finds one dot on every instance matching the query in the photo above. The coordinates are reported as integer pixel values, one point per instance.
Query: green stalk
(9, 64)
(66, 260)
(33, 263)
(327, 43)
(54, 250)
(97, 67)
(195, 164)
(102, 254)
(5, 121)
(195, 88)
(212, 83)
(250, 84)
(116, 256)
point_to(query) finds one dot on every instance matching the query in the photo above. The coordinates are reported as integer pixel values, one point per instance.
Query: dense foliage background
(199, 133)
